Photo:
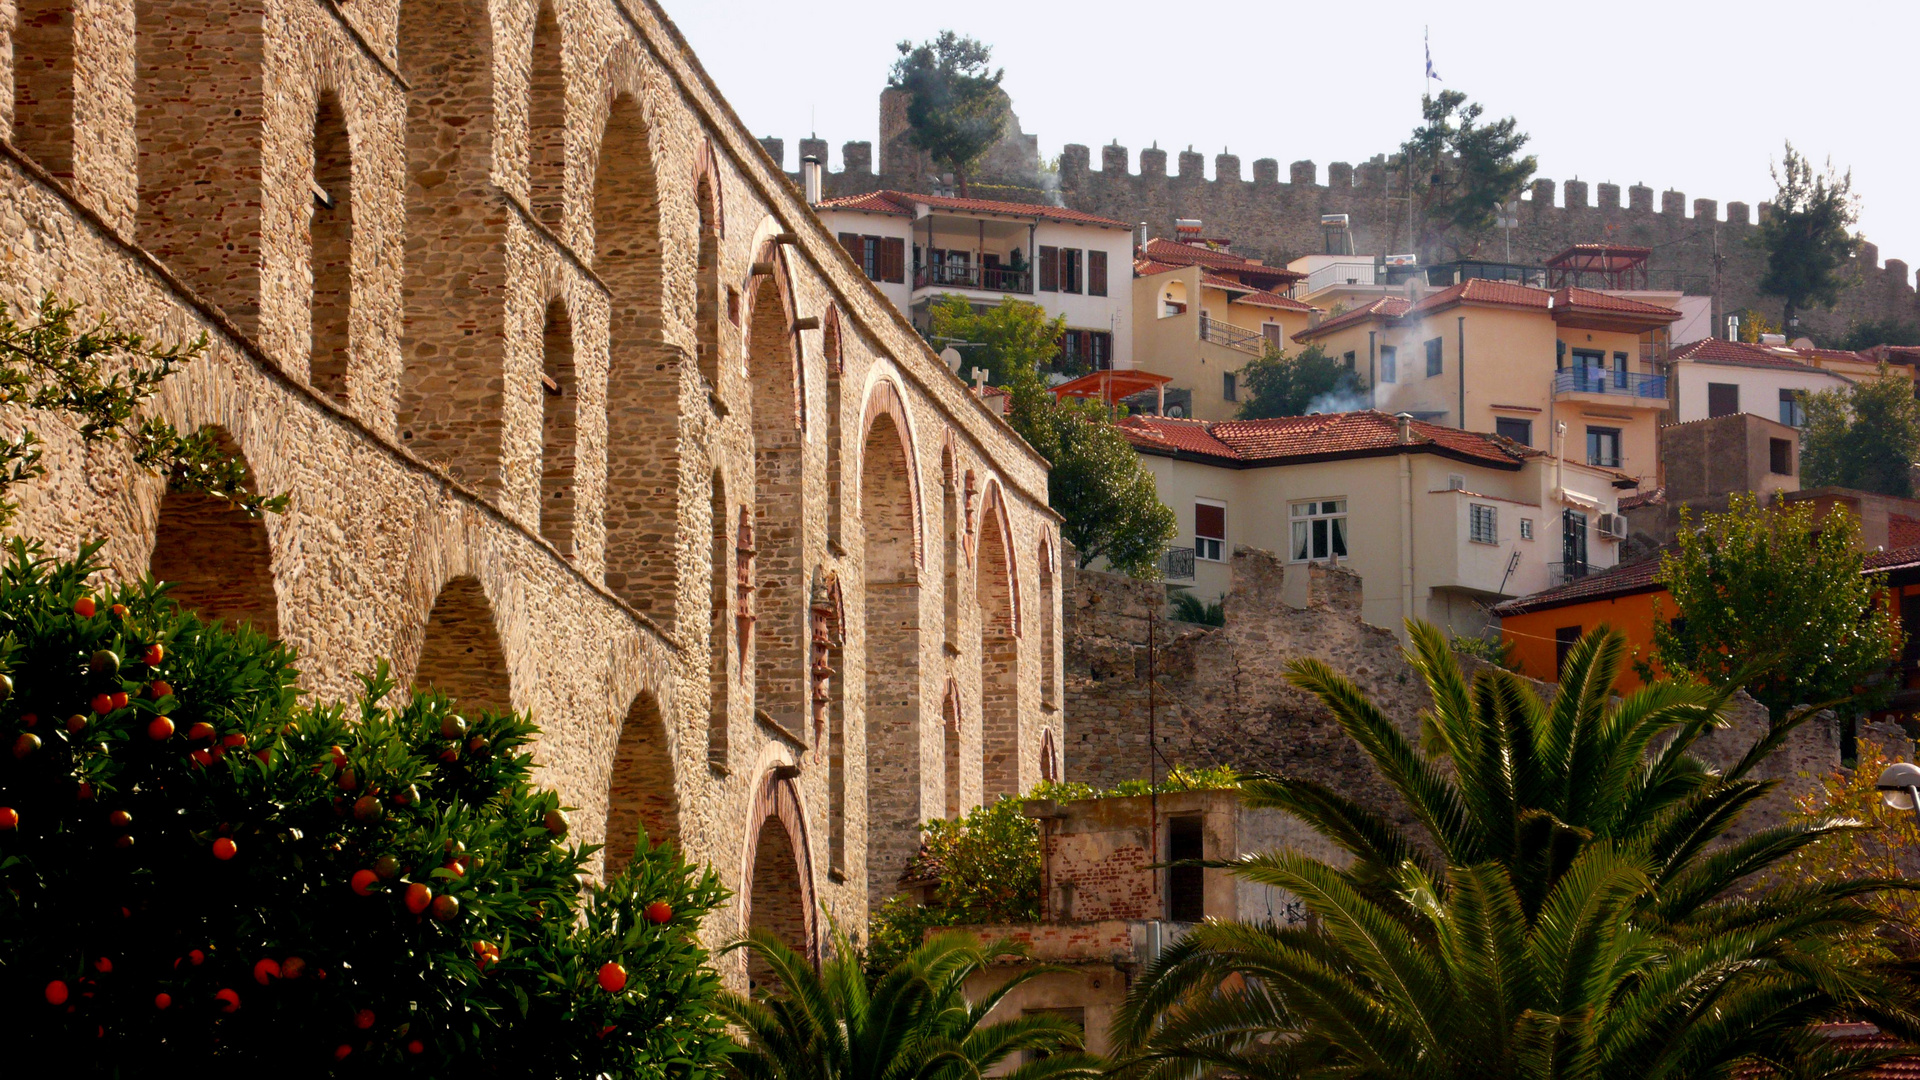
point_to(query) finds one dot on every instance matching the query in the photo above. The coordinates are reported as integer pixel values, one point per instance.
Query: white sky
(1675, 94)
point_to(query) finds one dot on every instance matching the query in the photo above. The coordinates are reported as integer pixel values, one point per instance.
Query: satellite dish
(950, 356)
(1176, 412)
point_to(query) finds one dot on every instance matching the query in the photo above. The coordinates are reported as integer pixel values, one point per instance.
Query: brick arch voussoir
(450, 543)
(993, 514)
(777, 796)
(884, 399)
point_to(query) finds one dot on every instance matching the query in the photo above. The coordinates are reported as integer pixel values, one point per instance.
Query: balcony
(1359, 272)
(1610, 383)
(985, 278)
(1177, 564)
(1233, 337)
(1559, 573)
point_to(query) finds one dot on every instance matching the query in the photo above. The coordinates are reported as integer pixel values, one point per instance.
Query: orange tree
(199, 872)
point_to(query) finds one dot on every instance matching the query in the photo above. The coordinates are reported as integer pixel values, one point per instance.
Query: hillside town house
(1438, 522)
(1201, 312)
(917, 248)
(1562, 370)
(1715, 377)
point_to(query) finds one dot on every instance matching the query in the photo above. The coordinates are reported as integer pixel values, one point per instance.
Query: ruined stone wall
(1697, 248)
(1220, 696)
(504, 195)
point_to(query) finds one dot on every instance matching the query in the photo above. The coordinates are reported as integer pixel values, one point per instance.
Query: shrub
(197, 871)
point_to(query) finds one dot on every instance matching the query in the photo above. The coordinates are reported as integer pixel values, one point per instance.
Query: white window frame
(1526, 528)
(1202, 545)
(1474, 533)
(1301, 517)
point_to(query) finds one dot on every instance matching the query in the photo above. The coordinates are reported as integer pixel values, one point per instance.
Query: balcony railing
(1178, 564)
(1559, 573)
(986, 278)
(1341, 273)
(1233, 337)
(1596, 380)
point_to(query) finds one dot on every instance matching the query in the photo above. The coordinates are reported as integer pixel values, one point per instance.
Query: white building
(1713, 377)
(919, 247)
(1439, 523)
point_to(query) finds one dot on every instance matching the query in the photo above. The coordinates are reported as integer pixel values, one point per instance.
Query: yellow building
(1200, 313)
(1518, 361)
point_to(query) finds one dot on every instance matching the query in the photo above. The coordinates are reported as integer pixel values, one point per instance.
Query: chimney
(810, 179)
(1140, 238)
(1403, 427)
(1314, 317)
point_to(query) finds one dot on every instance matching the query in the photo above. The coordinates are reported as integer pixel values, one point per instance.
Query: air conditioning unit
(1613, 526)
(1456, 482)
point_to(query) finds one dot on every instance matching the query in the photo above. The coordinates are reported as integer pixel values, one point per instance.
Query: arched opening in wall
(950, 749)
(559, 429)
(894, 798)
(777, 897)
(707, 315)
(216, 557)
(460, 654)
(720, 631)
(547, 120)
(950, 515)
(780, 573)
(452, 382)
(43, 83)
(331, 229)
(640, 788)
(643, 380)
(200, 126)
(999, 657)
(1049, 648)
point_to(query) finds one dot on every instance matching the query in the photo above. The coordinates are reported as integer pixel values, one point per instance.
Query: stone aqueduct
(580, 411)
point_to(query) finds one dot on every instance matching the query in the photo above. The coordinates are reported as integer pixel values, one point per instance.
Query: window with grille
(1209, 531)
(1483, 524)
(1526, 528)
(1319, 530)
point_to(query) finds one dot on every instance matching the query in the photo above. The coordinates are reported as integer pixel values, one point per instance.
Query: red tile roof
(1482, 291)
(1572, 297)
(1623, 580)
(1252, 295)
(1717, 351)
(902, 203)
(1176, 253)
(1297, 439)
(1144, 267)
(1903, 531)
(1656, 497)
(1386, 307)
(1894, 558)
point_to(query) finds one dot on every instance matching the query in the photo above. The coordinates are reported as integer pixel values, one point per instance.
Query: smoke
(1343, 399)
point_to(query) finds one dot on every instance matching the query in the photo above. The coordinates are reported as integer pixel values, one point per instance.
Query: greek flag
(1431, 74)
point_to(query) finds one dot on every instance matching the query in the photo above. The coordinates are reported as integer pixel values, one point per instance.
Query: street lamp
(1900, 786)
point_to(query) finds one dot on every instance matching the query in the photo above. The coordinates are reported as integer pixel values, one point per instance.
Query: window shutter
(851, 241)
(1096, 273)
(1210, 521)
(893, 259)
(1049, 269)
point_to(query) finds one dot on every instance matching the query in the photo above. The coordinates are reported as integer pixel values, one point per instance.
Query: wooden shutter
(851, 241)
(1096, 273)
(1049, 269)
(1210, 522)
(893, 259)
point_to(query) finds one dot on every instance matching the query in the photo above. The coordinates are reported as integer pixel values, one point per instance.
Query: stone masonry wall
(1220, 696)
(397, 224)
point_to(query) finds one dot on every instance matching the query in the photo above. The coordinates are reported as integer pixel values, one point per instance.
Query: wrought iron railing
(988, 278)
(1233, 337)
(1559, 573)
(1178, 564)
(1598, 380)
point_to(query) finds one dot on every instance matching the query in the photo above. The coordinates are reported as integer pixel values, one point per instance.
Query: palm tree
(1572, 906)
(913, 1023)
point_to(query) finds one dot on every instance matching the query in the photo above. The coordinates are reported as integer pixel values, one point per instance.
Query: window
(1070, 270)
(1620, 370)
(1186, 885)
(1520, 431)
(1603, 446)
(1433, 357)
(1230, 386)
(1049, 269)
(1319, 529)
(1723, 399)
(1389, 364)
(1096, 273)
(1564, 640)
(1483, 523)
(1209, 530)
(881, 258)
(1526, 528)
(1780, 456)
(1573, 544)
(1091, 349)
(1270, 333)
(1349, 359)
(1590, 370)
(1793, 409)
